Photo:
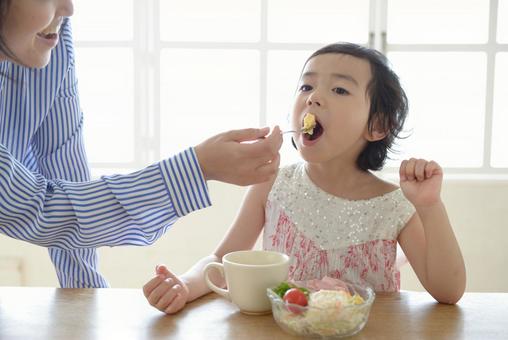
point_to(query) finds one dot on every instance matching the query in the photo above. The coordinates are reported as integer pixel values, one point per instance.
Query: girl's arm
(169, 293)
(428, 239)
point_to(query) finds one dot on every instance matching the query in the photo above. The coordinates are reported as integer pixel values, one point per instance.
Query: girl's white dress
(325, 235)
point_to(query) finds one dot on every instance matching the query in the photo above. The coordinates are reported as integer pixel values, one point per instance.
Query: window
(105, 53)
(447, 68)
(162, 75)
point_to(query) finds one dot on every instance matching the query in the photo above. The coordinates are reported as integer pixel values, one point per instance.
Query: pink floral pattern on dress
(369, 263)
(327, 235)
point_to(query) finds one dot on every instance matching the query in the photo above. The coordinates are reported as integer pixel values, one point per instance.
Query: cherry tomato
(295, 296)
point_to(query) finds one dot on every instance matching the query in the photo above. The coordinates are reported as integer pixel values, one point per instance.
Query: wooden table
(48, 313)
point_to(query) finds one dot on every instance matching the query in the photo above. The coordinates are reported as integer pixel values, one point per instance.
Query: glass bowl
(333, 320)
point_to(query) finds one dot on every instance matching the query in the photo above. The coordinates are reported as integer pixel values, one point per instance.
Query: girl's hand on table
(166, 291)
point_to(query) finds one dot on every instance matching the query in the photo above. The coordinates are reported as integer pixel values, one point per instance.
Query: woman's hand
(166, 291)
(420, 181)
(241, 157)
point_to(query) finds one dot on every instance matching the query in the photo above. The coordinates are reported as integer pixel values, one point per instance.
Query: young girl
(331, 214)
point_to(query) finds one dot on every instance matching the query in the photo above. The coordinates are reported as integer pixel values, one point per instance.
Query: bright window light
(204, 92)
(446, 94)
(318, 21)
(163, 75)
(438, 22)
(502, 22)
(205, 20)
(500, 121)
(106, 86)
(99, 20)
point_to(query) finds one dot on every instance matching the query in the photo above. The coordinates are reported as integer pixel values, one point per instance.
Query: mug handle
(220, 268)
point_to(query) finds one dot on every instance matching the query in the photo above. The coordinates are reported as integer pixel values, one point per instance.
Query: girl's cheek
(294, 122)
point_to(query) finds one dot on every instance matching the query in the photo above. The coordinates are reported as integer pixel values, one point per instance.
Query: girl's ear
(376, 134)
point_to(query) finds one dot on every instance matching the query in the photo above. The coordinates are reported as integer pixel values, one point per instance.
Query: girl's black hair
(388, 102)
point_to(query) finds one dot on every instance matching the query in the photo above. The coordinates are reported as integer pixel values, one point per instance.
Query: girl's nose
(313, 99)
(65, 8)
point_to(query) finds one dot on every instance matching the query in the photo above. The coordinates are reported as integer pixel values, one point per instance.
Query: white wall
(477, 210)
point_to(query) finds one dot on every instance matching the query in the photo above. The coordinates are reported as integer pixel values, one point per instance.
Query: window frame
(147, 47)
(490, 48)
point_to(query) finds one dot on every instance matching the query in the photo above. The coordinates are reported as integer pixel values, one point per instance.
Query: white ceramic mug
(248, 274)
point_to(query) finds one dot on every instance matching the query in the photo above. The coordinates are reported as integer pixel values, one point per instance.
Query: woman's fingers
(226, 158)
(267, 170)
(250, 134)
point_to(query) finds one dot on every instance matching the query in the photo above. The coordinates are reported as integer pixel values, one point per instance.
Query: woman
(46, 196)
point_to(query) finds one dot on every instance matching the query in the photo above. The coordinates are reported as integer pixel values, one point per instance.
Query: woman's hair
(4, 8)
(388, 102)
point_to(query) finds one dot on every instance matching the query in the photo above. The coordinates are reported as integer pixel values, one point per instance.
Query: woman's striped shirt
(46, 195)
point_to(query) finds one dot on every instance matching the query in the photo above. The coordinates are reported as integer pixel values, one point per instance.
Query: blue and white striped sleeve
(133, 209)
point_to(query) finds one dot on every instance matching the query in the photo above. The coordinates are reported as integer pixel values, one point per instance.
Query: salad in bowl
(326, 308)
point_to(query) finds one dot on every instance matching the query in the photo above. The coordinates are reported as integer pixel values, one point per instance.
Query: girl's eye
(340, 90)
(305, 88)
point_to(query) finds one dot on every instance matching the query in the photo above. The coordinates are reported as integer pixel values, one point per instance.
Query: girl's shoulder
(382, 187)
(393, 201)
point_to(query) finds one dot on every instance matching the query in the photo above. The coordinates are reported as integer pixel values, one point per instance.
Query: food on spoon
(309, 123)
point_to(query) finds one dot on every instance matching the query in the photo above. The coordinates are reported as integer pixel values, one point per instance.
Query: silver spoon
(292, 131)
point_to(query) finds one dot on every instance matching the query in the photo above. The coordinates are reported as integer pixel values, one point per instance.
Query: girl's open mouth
(316, 133)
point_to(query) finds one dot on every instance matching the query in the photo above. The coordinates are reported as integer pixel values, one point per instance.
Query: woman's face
(31, 27)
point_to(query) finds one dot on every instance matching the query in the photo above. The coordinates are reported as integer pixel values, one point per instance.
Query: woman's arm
(428, 239)
(47, 198)
(169, 293)
(133, 209)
